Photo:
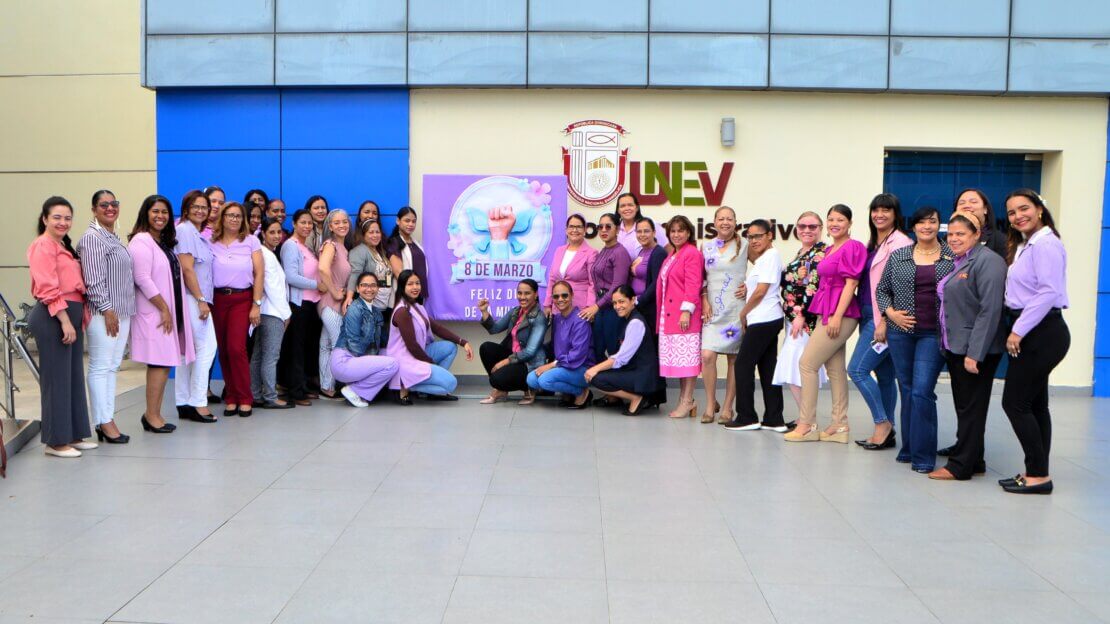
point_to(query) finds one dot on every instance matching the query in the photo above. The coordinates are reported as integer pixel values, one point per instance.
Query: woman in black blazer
(976, 202)
(972, 338)
(646, 266)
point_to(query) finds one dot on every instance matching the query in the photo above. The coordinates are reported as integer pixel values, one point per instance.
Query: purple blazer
(579, 275)
(149, 344)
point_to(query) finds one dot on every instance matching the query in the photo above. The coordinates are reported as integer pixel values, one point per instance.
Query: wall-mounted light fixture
(728, 131)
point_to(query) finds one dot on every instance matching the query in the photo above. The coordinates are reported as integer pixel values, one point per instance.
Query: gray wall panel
(587, 59)
(972, 18)
(709, 60)
(1061, 18)
(928, 64)
(750, 16)
(1045, 65)
(468, 59)
(839, 17)
(341, 59)
(171, 17)
(607, 15)
(449, 15)
(340, 15)
(209, 60)
(799, 62)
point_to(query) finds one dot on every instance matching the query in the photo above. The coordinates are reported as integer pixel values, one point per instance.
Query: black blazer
(645, 302)
(973, 302)
(995, 240)
(896, 287)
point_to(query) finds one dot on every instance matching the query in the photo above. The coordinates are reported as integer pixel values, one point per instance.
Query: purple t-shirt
(864, 293)
(925, 297)
(190, 241)
(232, 266)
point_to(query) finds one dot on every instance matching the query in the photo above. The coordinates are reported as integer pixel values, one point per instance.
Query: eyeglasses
(755, 237)
(575, 227)
(232, 215)
(104, 204)
(560, 296)
(604, 226)
(807, 227)
(199, 207)
(367, 284)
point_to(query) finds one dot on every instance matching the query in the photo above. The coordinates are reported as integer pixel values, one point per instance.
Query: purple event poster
(483, 234)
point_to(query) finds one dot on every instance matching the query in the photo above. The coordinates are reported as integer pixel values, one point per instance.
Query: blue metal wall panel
(344, 118)
(1102, 316)
(201, 119)
(347, 177)
(234, 171)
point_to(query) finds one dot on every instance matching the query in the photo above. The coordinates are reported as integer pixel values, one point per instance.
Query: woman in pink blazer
(678, 311)
(160, 335)
(577, 270)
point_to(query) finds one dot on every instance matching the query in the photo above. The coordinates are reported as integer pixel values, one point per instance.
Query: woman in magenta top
(573, 263)
(836, 305)
(335, 268)
(237, 272)
(678, 307)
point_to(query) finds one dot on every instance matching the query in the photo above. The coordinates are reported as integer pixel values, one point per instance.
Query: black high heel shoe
(401, 400)
(640, 409)
(889, 442)
(583, 405)
(232, 412)
(166, 428)
(122, 438)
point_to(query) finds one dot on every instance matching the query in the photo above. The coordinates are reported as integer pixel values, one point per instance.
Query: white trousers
(105, 356)
(333, 324)
(191, 380)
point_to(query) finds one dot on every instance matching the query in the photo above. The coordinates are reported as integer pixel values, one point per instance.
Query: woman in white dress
(726, 266)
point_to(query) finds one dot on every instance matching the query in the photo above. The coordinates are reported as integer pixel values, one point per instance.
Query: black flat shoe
(640, 409)
(1011, 481)
(923, 470)
(213, 398)
(231, 412)
(245, 413)
(1019, 486)
(946, 451)
(122, 438)
(604, 402)
(272, 405)
(401, 400)
(441, 397)
(902, 461)
(166, 428)
(584, 404)
(257, 403)
(185, 412)
(980, 468)
(888, 443)
(195, 416)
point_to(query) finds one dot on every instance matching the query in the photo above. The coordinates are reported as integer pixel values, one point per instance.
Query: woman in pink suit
(573, 263)
(161, 337)
(678, 313)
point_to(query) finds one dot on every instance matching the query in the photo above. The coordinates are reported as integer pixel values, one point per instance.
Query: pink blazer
(679, 284)
(895, 241)
(579, 275)
(149, 344)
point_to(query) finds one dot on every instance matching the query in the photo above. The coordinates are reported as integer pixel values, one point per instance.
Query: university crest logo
(594, 164)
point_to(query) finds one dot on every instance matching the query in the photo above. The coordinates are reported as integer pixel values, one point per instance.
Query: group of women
(182, 290)
(649, 305)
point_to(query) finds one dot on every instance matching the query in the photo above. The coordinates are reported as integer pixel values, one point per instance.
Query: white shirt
(275, 296)
(568, 255)
(767, 270)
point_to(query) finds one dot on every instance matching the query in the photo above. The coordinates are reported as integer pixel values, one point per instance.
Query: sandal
(724, 417)
(529, 398)
(710, 414)
(491, 399)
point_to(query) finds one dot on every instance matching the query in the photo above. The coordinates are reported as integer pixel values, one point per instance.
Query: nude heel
(840, 435)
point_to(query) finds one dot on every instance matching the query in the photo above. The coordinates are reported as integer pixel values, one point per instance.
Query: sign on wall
(496, 231)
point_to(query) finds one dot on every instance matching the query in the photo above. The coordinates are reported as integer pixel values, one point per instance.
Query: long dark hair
(402, 281)
(187, 205)
(635, 200)
(884, 200)
(142, 223)
(988, 224)
(265, 198)
(396, 243)
(51, 202)
(101, 193)
(266, 223)
(1013, 236)
(364, 228)
(312, 200)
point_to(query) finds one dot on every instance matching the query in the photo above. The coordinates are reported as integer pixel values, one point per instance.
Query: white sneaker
(352, 398)
(84, 446)
(752, 427)
(779, 429)
(69, 452)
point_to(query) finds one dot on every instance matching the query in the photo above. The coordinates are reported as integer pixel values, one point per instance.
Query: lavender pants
(366, 375)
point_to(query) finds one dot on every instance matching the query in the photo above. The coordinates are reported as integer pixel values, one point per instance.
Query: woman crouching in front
(631, 372)
(573, 353)
(354, 358)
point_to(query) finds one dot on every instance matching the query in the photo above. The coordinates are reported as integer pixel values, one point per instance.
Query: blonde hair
(810, 213)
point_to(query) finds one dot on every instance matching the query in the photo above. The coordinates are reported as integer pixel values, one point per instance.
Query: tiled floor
(468, 513)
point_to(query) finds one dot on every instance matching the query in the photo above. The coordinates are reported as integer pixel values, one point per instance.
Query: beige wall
(72, 116)
(793, 152)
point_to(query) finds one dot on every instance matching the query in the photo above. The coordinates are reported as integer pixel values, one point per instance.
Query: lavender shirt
(573, 340)
(633, 335)
(610, 270)
(639, 274)
(1037, 280)
(627, 239)
(231, 264)
(190, 241)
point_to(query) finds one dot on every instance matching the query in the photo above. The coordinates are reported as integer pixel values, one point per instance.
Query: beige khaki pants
(830, 353)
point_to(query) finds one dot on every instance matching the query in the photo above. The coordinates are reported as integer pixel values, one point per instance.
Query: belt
(1016, 313)
(229, 291)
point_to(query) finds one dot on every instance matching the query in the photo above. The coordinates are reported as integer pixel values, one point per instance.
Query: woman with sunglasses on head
(628, 209)
(405, 254)
(572, 336)
(371, 256)
(297, 361)
(678, 312)
(110, 289)
(275, 318)
(722, 298)
(355, 360)
(879, 391)
(161, 336)
(56, 322)
(1036, 294)
(573, 263)
(508, 362)
(630, 373)
(334, 268)
(972, 337)
(609, 270)
(194, 254)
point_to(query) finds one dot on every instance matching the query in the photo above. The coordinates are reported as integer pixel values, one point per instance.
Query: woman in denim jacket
(508, 362)
(354, 358)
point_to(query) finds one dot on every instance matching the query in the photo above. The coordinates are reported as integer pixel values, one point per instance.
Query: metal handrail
(13, 345)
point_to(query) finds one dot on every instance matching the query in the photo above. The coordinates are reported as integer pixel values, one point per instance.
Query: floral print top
(799, 284)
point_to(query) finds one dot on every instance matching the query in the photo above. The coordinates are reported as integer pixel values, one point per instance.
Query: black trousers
(759, 349)
(971, 395)
(507, 378)
(299, 350)
(1025, 395)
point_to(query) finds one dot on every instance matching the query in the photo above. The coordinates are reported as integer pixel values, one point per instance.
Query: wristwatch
(202, 300)
(258, 302)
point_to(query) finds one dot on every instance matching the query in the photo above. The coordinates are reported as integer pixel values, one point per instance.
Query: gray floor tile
(36, 535)
(548, 457)
(1097, 603)
(535, 554)
(784, 560)
(69, 587)
(215, 594)
(304, 507)
(958, 565)
(425, 511)
(659, 515)
(845, 604)
(531, 482)
(1080, 569)
(497, 600)
(345, 596)
(85, 498)
(658, 602)
(177, 500)
(343, 451)
(674, 558)
(560, 514)
(537, 436)
(231, 473)
(422, 454)
(268, 449)
(973, 606)
(136, 538)
(252, 543)
(21, 619)
(544, 418)
(425, 480)
(308, 475)
(437, 552)
(10, 565)
(634, 481)
(753, 522)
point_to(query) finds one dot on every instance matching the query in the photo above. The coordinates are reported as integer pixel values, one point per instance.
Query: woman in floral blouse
(799, 284)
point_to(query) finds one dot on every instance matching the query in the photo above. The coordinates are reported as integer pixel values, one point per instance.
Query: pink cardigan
(149, 344)
(579, 275)
(895, 241)
(682, 285)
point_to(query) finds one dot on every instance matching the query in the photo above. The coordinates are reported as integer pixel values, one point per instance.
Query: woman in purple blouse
(610, 270)
(1036, 292)
(573, 352)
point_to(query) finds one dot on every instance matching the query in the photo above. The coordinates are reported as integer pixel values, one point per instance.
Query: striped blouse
(106, 268)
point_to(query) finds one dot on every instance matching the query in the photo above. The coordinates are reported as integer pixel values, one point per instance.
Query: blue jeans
(442, 381)
(570, 381)
(879, 392)
(917, 362)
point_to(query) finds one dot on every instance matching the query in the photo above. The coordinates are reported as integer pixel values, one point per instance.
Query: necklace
(927, 252)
